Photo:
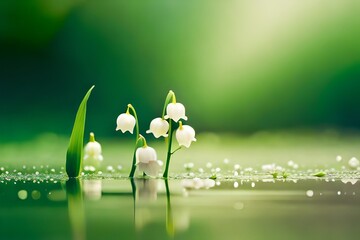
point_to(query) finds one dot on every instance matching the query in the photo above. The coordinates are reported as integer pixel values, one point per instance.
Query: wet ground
(180, 209)
(265, 186)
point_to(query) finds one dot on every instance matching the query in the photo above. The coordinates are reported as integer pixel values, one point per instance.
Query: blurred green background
(237, 66)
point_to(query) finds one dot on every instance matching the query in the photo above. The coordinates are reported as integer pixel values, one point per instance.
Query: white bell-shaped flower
(185, 135)
(159, 127)
(93, 156)
(151, 168)
(147, 162)
(175, 111)
(125, 122)
(145, 154)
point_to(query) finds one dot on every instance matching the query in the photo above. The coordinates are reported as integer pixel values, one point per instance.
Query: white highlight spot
(310, 193)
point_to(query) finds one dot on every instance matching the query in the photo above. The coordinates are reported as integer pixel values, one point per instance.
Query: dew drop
(237, 166)
(310, 193)
(110, 169)
(236, 184)
(35, 195)
(252, 184)
(22, 194)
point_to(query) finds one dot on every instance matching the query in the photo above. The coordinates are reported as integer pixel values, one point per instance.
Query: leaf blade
(75, 151)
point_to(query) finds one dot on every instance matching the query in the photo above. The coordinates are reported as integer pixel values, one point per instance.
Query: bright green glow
(74, 155)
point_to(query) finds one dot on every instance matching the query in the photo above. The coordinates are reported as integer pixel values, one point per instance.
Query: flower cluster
(145, 157)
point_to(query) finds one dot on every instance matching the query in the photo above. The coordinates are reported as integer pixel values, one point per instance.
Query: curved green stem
(170, 97)
(166, 172)
(133, 166)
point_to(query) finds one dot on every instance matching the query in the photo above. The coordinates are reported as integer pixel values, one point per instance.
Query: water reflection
(92, 189)
(158, 209)
(76, 208)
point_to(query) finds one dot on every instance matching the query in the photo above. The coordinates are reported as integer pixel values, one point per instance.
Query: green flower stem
(170, 97)
(168, 156)
(133, 166)
(176, 150)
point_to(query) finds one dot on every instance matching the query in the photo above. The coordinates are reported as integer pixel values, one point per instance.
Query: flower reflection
(148, 197)
(92, 189)
(146, 189)
(145, 196)
(197, 183)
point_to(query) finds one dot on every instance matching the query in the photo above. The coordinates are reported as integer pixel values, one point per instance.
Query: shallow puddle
(180, 209)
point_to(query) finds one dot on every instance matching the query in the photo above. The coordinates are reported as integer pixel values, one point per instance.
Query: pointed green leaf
(75, 150)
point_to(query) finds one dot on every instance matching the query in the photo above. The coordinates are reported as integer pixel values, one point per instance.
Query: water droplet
(353, 162)
(22, 194)
(35, 195)
(226, 161)
(36, 173)
(237, 166)
(310, 193)
(209, 165)
(236, 184)
(339, 193)
(52, 170)
(218, 169)
(290, 163)
(201, 170)
(338, 158)
(119, 167)
(110, 169)
(252, 184)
